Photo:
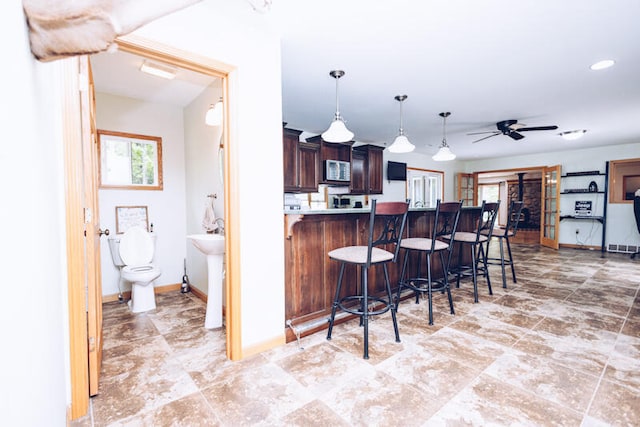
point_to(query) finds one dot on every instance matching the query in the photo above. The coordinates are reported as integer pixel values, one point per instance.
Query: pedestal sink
(212, 245)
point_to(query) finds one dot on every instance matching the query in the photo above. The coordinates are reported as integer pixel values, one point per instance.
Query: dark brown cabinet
(366, 170)
(331, 151)
(358, 172)
(301, 163)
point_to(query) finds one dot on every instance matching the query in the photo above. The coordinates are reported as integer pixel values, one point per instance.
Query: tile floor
(560, 347)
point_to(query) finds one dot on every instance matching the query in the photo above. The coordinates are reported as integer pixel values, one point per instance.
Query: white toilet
(133, 253)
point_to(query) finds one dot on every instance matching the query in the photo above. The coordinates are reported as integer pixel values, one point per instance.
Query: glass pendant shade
(401, 144)
(337, 131)
(214, 114)
(444, 152)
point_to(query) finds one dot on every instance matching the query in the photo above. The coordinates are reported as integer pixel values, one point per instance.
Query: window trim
(146, 138)
(617, 178)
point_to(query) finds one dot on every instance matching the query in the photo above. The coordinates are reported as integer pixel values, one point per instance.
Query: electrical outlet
(577, 231)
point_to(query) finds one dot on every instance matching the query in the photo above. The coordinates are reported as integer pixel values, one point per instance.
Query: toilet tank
(114, 248)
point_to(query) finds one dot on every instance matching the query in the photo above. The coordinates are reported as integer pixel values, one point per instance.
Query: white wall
(621, 227)
(166, 208)
(233, 33)
(34, 374)
(396, 190)
(202, 177)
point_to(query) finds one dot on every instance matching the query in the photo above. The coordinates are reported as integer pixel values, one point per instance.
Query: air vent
(625, 249)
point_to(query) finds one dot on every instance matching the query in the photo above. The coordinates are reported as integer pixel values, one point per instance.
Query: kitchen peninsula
(310, 276)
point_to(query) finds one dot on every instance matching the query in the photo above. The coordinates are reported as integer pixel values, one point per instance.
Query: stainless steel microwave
(336, 170)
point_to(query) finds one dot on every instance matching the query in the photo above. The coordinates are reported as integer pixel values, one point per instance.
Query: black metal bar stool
(387, 221)
(444, 223)
(503, 234)
(475, 241)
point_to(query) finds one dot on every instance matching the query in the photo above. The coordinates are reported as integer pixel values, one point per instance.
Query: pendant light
(214, 114)
(337, 131)
(401, 144)
(444, 153)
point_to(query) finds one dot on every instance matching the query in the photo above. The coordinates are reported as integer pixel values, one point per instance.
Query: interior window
(624, 180)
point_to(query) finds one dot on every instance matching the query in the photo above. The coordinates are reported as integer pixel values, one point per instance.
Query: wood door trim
(205, 65)
(74, 221)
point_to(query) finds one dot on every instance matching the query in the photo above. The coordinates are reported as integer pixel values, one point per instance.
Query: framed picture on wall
(130, 216)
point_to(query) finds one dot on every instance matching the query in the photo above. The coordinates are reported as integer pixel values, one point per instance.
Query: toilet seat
(136, 247)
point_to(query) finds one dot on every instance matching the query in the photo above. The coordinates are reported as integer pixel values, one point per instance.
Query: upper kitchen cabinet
(338, 155)
(366, 170)
(301, 162)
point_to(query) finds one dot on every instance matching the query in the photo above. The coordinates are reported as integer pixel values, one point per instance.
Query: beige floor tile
(559, 347)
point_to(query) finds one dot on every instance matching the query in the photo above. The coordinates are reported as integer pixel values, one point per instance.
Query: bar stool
(503, 234)
(475, 241)
(444, 223)
(386, 221)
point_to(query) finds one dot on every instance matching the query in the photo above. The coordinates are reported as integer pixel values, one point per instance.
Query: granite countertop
(351, 210)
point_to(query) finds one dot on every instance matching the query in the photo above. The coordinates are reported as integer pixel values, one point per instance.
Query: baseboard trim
(263, 346)
(197, 292)
(587, 247)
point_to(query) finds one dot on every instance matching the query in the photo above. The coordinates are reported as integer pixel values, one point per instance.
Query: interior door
(92, 227)
(550, 209)
(467, 189)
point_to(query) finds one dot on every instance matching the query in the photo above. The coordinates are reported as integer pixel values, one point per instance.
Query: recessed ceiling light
(159, 70)
(601, 65)
(572, 135)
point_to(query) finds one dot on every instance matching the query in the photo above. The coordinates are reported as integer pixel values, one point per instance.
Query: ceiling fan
(512, 129)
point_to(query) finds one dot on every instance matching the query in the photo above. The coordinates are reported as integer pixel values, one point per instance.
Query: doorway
(197, 75)
(77, 304)
(522, 184)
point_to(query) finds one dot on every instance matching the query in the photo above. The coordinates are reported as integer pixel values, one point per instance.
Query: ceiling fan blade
(515, 135)
(480, 133)
(482, 139)
(537, 128)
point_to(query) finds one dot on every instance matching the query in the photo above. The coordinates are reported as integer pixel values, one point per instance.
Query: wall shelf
(602, 219)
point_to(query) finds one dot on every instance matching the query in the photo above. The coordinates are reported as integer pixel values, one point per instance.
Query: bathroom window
(130, 161)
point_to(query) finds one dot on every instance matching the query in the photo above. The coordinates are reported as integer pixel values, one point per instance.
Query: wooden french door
(467, 188)
(550, 206)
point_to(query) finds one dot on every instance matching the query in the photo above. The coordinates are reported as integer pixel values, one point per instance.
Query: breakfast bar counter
(311, 276)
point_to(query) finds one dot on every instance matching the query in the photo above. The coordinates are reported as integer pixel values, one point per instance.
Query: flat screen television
(396, 171)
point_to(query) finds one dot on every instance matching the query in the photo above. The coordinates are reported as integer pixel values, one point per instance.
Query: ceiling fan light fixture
(572, 135)
(601, 65)
(401, 144)
(337, 131)
(444, 152)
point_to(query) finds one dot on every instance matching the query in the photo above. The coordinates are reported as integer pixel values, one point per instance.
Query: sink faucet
(419, 204)
(220, 223)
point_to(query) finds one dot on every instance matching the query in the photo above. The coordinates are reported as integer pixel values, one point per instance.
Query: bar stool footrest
(421, 284)
(356, 309)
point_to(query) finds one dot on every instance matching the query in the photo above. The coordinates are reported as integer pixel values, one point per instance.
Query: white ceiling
(119, 73)
(483, 60)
